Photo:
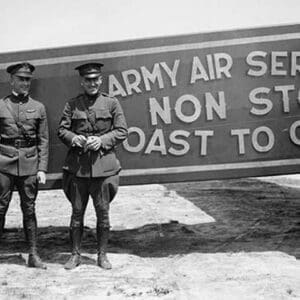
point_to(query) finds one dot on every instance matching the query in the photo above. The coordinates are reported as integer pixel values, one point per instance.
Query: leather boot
(102, 241)
(75, 258)
(34, 261)
(2, 222)
(25, 230)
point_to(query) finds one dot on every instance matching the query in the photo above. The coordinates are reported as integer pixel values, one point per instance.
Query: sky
(40, 24)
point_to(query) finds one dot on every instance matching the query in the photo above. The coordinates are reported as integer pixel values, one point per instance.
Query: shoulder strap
(19, 124)
(89, 117)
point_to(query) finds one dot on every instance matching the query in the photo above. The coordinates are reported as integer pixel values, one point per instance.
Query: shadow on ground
(250, 215)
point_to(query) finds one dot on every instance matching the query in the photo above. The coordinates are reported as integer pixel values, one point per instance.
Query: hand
(79, 141)
(41, 177)
(93, 143)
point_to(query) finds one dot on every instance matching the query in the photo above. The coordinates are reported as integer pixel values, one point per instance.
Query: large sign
(203, 106)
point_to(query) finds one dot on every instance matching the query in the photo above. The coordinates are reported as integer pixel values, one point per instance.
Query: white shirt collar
(16, 94)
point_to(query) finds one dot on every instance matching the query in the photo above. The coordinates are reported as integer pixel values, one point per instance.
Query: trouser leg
(2, 222)
(103, 192)
(76, 190)
(102, 241)
(79, 199)
(6, 189)
(28, 187)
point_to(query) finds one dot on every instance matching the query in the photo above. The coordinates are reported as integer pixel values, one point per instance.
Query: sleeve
(64, 129)
(43, 141)
(119, 128)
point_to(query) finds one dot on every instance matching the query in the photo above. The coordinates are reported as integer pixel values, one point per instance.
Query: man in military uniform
(91, 126)
(23, 152)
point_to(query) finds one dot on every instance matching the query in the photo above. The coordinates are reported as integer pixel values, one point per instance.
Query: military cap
(90, 70)
(23, 69)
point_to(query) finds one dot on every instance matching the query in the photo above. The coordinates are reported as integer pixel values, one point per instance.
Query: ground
(231, 239)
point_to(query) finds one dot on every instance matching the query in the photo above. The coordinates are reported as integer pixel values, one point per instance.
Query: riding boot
(102, 241)
(2, 222)
(75, 259)
(34, 261)
(25, 230)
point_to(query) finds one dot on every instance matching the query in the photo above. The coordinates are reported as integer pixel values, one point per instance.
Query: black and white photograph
(150, 150)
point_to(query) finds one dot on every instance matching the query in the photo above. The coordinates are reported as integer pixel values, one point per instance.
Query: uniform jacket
(110, 125)
(23, 161)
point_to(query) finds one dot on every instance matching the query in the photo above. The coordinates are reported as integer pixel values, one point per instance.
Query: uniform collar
(90, 99)
(20, 97)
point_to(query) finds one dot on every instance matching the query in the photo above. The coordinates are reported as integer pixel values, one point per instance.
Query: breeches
(27, 187)
(101, 189)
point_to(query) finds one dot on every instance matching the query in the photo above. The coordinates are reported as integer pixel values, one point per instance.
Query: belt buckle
(17, 143)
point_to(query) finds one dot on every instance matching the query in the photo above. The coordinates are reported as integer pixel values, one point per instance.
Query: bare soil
(233, 239)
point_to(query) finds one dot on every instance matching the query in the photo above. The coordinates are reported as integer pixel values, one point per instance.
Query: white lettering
(260, 65)
(294, 67)
(285, 89)
(276, 65)
(211, 104)
(157, 137)
(152, 77)
(225, 69)
(293, 135)
(134, 85)
(270, 135)
(210, 65)
(198, 71)
(114, 87)
(140, 145)
(196, 104)
(175, 140)
(204, 134)
(266, 103)
(241, 140)
(164, 112)
(171, 73)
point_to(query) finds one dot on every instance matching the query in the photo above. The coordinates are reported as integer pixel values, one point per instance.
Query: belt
(18, 143)
(87, 134)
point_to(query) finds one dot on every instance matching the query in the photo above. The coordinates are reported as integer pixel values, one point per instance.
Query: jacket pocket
(31, 153)
(32, 114)
(7, 152)
(79, 115)
(103, 114)
(5, 114)
(109, 163)
(103, 119)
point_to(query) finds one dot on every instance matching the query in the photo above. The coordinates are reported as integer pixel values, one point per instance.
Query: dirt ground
(233, 239)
